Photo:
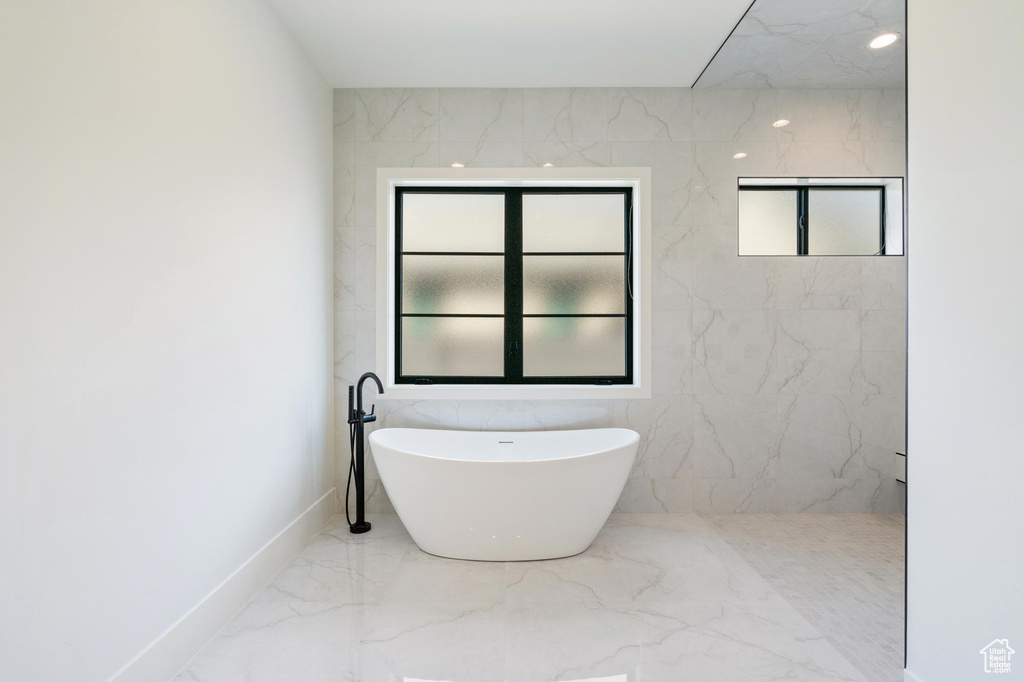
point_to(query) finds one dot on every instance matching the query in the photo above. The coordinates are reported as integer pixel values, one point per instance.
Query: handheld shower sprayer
(357, 418)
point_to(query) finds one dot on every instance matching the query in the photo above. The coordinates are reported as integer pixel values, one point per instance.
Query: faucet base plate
(359, 527)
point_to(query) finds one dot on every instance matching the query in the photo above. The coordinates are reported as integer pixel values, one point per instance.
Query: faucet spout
(359, 393)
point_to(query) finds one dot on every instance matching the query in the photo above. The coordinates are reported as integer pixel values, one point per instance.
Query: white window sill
(518, 392)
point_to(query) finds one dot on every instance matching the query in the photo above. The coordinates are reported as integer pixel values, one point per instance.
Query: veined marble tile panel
(643, 114)
(734, 115)
(884, 330)
(806, 451)
(837, 414)
(483, 154)
(842, 114)
(344, 183)
(734, 352)
(565, 114)
(672, 348)
(481, 114)
(584, 154)
(354, 347)
(804, 370)
(821, 283)
(672, 258)
(759, 61)
(821, 329)
(846, 60)
(386, 115)
(884, 372)
(665, 425)
(355, 268)
(884, 283)
(807, 44)
(722, 280)
(549, 415)
(735, 436)
(734, 495)
(885, 421)
(377, 500)
(482, 415)
(886, 158)
(775, 17)
(646, 495)
(819, 351)
(823, 495)
(823, 158)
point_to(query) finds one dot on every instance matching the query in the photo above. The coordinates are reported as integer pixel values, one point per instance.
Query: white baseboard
(910, 677)
(169, 653)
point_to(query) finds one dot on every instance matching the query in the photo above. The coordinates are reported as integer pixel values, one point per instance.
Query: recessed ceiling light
(740, 155)
(781, 123)
(458, 165)
(884, 40)
(549, 165)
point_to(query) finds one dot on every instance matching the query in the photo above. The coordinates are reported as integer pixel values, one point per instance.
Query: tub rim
(634, 440)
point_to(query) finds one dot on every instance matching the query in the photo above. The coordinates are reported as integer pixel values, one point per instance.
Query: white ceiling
(812, 44)
(511, 43)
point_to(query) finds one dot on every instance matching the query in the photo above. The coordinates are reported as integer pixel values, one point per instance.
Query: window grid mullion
(513, 286)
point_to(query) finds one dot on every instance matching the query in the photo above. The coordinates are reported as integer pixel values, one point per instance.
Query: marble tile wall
(779, 382)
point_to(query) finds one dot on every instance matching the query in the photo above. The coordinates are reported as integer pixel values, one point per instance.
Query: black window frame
(802, 217)
(513, 284)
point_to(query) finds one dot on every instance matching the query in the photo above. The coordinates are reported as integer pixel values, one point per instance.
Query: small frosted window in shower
(821, 217)
(446, 222)
(453, 346)
(844, 222)
(574, 346)
(768, 221)
(463, 285)
(574, 222)
(574, 285)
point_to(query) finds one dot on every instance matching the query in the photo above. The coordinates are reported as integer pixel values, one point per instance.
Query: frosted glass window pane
(768, 223)
(574, 346)
(453, 222)
(574, 222)
(844, 222)
(453, 346)
(574, 285)
(473, 285)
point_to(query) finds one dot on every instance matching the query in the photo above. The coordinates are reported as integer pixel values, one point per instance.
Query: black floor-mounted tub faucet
(357, 418)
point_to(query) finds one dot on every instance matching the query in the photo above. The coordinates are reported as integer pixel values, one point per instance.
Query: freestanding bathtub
(503, 496)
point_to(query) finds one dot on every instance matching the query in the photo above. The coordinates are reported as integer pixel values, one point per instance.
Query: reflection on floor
(657, 598)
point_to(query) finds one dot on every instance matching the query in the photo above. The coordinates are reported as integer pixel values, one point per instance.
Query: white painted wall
(165, 293)
(966, 409)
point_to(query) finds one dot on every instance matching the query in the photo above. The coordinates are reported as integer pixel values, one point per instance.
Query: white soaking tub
(503, 496)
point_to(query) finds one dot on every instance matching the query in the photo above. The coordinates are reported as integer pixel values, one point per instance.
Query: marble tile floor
(842, 572)
(657, 598)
